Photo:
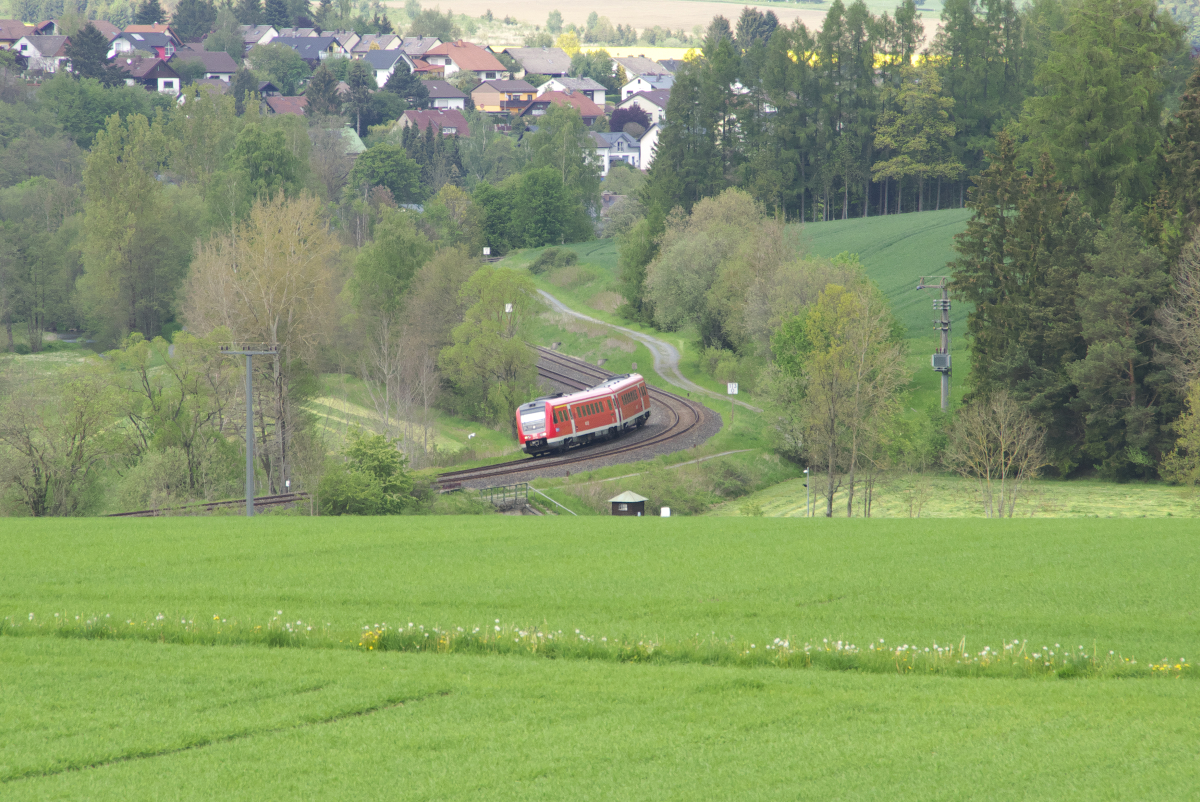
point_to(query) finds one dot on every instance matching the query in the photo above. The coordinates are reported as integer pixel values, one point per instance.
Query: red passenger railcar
(557, 422)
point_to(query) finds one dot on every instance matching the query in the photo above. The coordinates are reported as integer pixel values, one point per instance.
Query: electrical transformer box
(941, 363)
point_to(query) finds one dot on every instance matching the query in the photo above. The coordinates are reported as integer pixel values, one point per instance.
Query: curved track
(681, 418)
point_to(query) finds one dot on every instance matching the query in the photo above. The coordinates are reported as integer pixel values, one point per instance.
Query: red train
(559, 421)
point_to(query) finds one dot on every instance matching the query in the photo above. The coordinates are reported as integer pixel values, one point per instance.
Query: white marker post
(731, 388)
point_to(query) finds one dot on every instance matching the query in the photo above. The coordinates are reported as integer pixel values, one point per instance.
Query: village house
(297, 33)
(157, 44)
(647, 83)
(615, 147)
(313, 49)
(448, 121)
(217, 64)
(502, 97)
(443, 95)
(594, 90)
(383, 64)
(283, 105)
(45, 53)
(588, 110)
(553, 62)
(347, 39)
(647, 145)
(151, 72)
(11, 30)
(463, 56)
(640, 65)
(653, 103)
(375, 41)
(257, 35)
(164, 29)
(418, 46)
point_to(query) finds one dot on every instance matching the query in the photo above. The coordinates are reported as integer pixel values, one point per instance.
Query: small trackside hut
(557, 422)
(628, 504)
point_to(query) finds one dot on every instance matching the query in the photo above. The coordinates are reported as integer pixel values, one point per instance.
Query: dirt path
(666, 356)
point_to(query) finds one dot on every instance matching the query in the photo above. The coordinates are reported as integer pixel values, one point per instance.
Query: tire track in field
(203, 743)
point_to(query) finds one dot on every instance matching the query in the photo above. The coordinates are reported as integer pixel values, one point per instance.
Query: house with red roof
(153, 73)
(463, 56)
(284, 105)
(449, 122)
(588, 110)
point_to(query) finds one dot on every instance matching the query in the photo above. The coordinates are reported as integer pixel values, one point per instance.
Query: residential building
(671, 65)
(448, 121)
(640, 65)
(375, 41)
(502, 97)
(284, 105)
(647, 145)
(162, 28)
(646, 83)
(553, 62)
(157, 44)
(210, 85)
(45, 53)
(257, 35)
(296, 33)
(11, 30)
(464, 56)
(152, 72)
(47, 28)
(616, 147)
(653, 103)
(443, 95)
(267, 89)
(383, 64)
(588, 110)
(313, 49)
(586, 86)
(217, 64)
(418, 46)
(347, 39)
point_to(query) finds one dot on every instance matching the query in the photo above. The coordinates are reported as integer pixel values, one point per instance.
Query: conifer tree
(361, 82)
(407, 85)
(88, 52)
(248, 12)
(245, 87)
(321, 93)
(193, 18)
(275, 13)
(150, 13)
(1175, 210)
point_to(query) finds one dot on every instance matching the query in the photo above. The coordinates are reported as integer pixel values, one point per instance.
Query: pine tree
(1175, 211)
(88, 52)
(321, 93)
(248, 12)
(407, 85)
(193, 18)
(687, 163)
(245, 87)
(361, 82)
(150, 13)
(1118, 380)
(275, 13)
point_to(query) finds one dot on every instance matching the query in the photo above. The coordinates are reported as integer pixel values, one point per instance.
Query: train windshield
(533, 417)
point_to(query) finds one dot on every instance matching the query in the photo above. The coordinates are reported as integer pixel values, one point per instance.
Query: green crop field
(668, 690)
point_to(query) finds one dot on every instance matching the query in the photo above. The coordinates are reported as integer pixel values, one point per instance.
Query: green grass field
(128, 717)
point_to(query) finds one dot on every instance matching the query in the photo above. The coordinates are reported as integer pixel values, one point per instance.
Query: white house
(584, 86)
(647, 83)
(257, 35)
(443, 95)
(45, 53)
(618, 147)
(653, 103)
(647, 145)
(217, 64)
(464, 56)
(383, 64)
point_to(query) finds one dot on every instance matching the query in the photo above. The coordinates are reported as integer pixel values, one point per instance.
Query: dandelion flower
(279, 612)
(497, 629)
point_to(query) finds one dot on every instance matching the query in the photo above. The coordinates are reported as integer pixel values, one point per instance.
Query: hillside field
(126, 716)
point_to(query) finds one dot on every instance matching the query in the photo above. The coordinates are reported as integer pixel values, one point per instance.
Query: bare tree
(328, 158)
(1179, 319)
(999, 445)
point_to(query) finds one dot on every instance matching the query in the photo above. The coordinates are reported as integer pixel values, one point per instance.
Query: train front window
(533, 419)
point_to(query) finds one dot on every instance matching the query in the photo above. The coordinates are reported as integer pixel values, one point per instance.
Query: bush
(373, 480)
(551, 258)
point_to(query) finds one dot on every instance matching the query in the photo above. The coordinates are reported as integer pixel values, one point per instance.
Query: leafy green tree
(919, 131)
(372, 480)
(193, 19)
(226, 35)
(562, 142)
(554, 22)
(388, 165)
(321, 93)
(150, 13)
(1104, 141)
(269, 166)
(1119, 384)
(496, 212)
(245, 88)
(88, 52)
(82, 107)
(1019, 265)
(281, 64)
(540, 206)
(432, 22)
(489, 365)
(597, 65)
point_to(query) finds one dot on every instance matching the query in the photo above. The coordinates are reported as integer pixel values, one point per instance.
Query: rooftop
(541, 60)
(443, 89)
(467, 56)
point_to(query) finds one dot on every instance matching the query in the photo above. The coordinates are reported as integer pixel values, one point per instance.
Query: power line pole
(249, 350)
(941, 358)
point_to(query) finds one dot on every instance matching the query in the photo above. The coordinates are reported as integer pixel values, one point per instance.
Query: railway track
(260, 503)
(683, 417)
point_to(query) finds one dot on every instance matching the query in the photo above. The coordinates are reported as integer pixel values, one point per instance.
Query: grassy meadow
(140, 708)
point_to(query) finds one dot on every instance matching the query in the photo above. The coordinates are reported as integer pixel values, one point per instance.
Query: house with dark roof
(502, 97)
(463, 56)
(588, 110)
(448, 122)
(153, 73)
(653, 103)
(553, 62)
(257, 35)
(11, 30)
(347, 39)
(646, 83)
(443, 95)
(418, 46)
(640, 65)
(586, 86)
(267, 89)
(298, 32)
(158, 44)
(383, 64)
(313, 49)
(615, 147)
(284, 105)
(45, 53)
(375, 41)
(217, 64)
(164, 29)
